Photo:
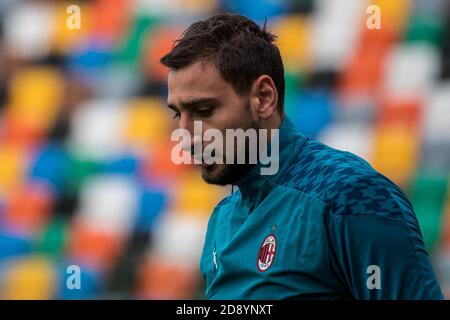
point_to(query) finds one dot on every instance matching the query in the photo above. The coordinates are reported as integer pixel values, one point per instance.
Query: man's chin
(214, 173)
(222, 174)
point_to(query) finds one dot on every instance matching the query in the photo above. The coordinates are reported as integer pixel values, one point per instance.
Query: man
(326, 225)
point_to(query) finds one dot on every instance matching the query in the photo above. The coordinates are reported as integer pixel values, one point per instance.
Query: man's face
(198, 93)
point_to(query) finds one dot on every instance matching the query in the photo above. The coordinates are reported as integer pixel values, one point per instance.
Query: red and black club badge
(266, 252)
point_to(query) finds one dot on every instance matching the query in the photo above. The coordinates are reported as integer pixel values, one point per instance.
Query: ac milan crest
(266, 252)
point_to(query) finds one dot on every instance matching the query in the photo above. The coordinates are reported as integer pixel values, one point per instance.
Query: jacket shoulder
(346, 182)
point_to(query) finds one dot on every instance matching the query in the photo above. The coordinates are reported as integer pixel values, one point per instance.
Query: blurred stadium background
(85, 171)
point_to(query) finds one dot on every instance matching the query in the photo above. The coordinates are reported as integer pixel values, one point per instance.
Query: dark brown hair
(238, 47)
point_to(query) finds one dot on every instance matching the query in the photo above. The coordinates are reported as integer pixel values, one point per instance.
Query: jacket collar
(254, 186)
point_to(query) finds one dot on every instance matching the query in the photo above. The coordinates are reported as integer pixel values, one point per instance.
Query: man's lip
(201, 157)
(204, 164)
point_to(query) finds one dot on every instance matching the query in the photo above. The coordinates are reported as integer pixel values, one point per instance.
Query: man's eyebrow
(199, 101)
(171, 106)
(194, 103)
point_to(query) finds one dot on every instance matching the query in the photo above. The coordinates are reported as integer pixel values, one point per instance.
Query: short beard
(228, 174)
(231, 173)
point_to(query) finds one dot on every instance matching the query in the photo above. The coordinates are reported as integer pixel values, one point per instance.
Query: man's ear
(264, 97)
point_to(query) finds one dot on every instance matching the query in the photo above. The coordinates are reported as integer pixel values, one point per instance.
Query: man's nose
(191, 139)
(196, 145)
(185, 123)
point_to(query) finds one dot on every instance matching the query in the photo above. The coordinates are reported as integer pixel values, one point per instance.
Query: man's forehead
(194, 81)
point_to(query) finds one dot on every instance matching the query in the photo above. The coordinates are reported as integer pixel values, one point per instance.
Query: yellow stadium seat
(65, 39)
(29, 278)
(395, 153)
(36, 96)
(393, 13)
(294, 41)
(147, 122)
(192, 194)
